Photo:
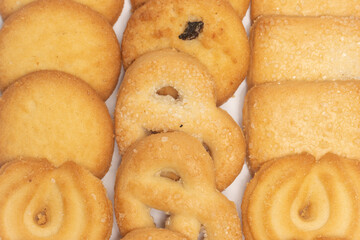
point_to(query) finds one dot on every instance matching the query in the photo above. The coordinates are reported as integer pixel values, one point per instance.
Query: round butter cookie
(209, 30)
(297, 197)
(173, 173)
(240, 6)
(168, 90)
(56, 116)
(40, 201)
(60, 35)
(110, 9)
(154, 234)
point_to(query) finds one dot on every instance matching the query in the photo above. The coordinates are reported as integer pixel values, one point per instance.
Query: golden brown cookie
(143, 107)
(209, 30)
(295, 117)
(60, 35)
(304, 49)
(173, 173)
(297, 197)
(240, 6)
(305, 8)
(154, 234)
(56, 116)
(110, 9)
(40, 201)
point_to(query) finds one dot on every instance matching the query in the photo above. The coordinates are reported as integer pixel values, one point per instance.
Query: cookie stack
(59, 62)
(303, 97)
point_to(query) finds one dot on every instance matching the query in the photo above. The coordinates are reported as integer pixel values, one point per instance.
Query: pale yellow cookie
(173, 173)
(110, 9)
(56, 116)
(297, 197)
(40, 201)
(60, 35)
(209, 30)
(154, 234)
(171, 91)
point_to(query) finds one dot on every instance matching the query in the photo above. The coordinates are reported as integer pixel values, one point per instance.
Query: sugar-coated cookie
(297, 197)
(295, 117)
(40, 201)
(110, 9)
(305, 8)
(171, 91)
(209, 30)
(54, 115)
(154, 234)
(173, 173)
(60, 35)
(240, 6)
(304, 49)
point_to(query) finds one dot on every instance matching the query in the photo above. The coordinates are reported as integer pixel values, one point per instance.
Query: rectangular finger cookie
(295, 117)
(305, 49)
(305, 8)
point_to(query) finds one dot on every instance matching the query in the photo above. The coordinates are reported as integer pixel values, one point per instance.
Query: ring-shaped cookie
(142, 108)
(297, 197)
(172, 172)
(40, 201)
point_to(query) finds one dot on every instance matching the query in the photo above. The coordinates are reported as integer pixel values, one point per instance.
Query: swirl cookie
(60, 35)
(296, 117)
(40, 201)
(304, 49)
(297, 197)
(177, 175)
(56, 116)
(205, 29)
(171, 91)
(240, 6)
(305, 8)
(110, 9)
(154, 234)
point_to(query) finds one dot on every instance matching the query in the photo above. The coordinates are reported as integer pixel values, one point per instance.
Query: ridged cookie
(209, 30)
(154, 234)
(305, 8)
(304, 49)
(39, 201)
(110, 9)
(295, 117)
(297, 197)
(170, 91)
(173, 173)
(60, 35)
(56, 116)
(240, 6)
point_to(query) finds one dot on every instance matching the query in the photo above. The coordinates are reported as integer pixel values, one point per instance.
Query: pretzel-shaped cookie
(297, 197)
(142, 108)
(39, 201)
(153, 234)
(172, 172)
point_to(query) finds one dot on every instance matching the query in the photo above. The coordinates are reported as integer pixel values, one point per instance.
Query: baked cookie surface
(209, 30)
(110, 9)
(154, 234)
(60, 35)
(295, 117)
(56, 116)
(177, 175)
(40, 201)
(305, 8)
(304, 49)
(297, 197)
(145, 105)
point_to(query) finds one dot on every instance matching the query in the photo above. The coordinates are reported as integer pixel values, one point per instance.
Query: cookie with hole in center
(56, 116)
(209, 30)
(110, 9)
(168, 90)
(60, 35)
(240, 6)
